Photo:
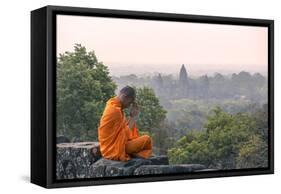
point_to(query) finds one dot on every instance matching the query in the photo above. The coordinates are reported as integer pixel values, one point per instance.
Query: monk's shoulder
(114, 112)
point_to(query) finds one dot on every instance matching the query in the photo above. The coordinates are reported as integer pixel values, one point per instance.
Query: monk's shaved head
(128, 92)
(127, 96)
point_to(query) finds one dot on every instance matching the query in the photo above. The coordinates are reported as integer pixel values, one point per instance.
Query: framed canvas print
(122, 96)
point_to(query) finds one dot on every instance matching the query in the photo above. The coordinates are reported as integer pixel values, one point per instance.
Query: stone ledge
(84, 160)
(105, 167)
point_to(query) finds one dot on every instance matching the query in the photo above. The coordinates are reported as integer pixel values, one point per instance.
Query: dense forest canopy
(229, 141)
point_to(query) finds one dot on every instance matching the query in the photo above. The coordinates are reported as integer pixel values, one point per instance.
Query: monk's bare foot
(152, 155)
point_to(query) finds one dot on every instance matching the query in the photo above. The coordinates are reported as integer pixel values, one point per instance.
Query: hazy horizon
(174, 70)
(139, 47)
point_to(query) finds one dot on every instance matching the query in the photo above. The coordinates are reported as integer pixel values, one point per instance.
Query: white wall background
(15, 95)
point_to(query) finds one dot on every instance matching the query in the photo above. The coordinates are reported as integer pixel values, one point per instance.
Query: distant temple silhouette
(183, 76)
(240, 85)
(184, 87)
(183, 81)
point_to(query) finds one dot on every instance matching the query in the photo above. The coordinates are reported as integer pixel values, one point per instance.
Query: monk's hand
(134, 110)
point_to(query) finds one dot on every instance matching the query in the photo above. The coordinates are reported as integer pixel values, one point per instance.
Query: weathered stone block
(74, 159)
(105, 167)
(159, 160)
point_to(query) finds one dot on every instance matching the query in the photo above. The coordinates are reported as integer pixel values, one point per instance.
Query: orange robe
(117, 141)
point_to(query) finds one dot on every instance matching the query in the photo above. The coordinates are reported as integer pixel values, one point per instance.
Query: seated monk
(119, 138)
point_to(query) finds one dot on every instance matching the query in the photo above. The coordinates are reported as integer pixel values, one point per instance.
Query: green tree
(151, 119)
(191, 148)
(83, 87)
(229, 141)
(152, 114)
(253, 154)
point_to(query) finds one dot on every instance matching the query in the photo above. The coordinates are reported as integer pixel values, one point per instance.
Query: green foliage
(151, 119)
(229, 141)
(188, 114)
(253, 154)
(83, 87)
(151, 112)
(191, 148)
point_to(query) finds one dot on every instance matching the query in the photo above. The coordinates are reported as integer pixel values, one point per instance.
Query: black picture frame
(43, 93)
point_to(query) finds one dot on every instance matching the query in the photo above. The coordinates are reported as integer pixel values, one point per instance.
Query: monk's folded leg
(144, 153)
(141, 146)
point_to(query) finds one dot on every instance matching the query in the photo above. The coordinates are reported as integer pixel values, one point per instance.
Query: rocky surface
(105, 167)
(74, 159)
(167, 169)
(83, 160)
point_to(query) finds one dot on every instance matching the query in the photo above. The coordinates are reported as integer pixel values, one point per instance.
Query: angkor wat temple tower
(183, 82)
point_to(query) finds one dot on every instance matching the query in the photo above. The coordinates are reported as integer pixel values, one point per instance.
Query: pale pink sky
(145, 46)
